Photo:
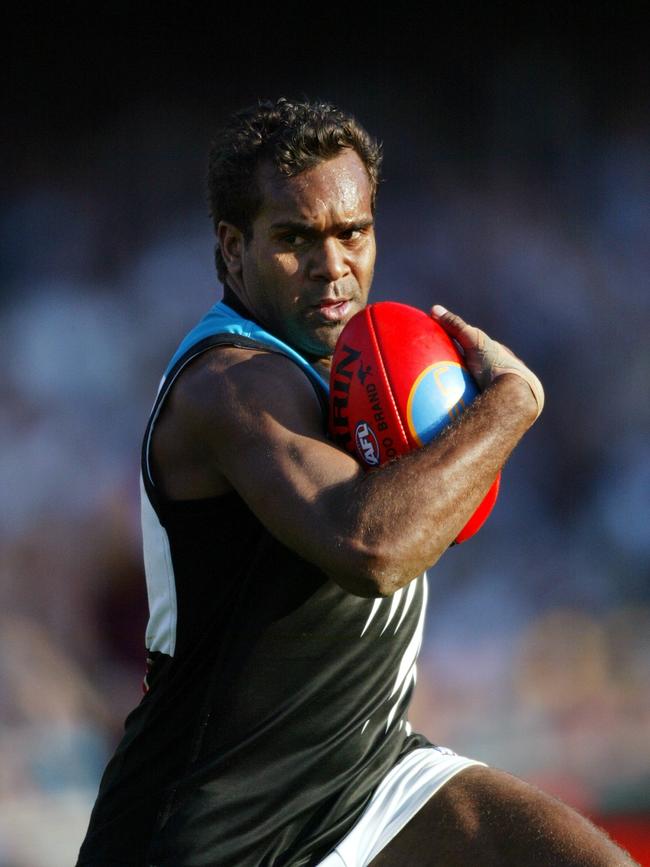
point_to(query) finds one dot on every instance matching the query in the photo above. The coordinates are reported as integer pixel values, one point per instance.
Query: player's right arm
(250, 421)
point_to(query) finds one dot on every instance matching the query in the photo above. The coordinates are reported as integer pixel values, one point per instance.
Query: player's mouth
(334, 309)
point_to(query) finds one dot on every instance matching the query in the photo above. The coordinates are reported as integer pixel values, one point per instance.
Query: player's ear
(231, 244)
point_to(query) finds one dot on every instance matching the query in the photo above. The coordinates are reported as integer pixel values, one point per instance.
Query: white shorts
(402, 792)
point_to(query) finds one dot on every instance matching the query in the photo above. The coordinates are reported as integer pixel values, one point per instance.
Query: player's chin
(324, 338)
(318, 337)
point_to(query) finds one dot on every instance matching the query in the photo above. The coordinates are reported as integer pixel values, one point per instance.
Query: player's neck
(322, 365)
(235, 303)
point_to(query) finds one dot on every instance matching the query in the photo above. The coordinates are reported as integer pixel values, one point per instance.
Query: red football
(397, 380)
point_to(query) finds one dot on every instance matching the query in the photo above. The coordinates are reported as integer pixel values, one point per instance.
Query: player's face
(308, 266)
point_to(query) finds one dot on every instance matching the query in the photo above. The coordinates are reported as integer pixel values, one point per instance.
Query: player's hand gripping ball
(397, 380)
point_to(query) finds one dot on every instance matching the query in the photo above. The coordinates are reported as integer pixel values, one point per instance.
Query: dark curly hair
(293, 136)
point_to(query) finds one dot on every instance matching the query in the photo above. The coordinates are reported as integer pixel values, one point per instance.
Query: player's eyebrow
(307, 230)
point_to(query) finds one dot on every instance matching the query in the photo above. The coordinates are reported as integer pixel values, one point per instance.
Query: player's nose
(329, 262)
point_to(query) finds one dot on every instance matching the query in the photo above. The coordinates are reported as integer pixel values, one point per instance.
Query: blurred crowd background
(516, 192)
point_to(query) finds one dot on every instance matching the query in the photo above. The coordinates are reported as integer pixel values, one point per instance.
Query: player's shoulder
(234, 363)
(225, 369)
(231, 382)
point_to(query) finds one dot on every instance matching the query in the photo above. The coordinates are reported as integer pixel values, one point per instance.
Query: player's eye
(293, 239)
(351, 235)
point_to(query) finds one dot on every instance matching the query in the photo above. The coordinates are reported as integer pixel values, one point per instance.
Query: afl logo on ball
(367, 444)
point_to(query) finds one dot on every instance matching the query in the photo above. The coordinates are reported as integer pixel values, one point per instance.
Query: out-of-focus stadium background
(517, 192)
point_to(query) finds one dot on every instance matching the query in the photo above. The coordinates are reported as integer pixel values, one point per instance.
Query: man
(286, 586)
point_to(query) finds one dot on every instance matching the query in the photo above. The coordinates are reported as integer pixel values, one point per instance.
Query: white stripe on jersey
(161, 585)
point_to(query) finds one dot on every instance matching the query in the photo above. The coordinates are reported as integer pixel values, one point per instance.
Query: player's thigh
(487, 817)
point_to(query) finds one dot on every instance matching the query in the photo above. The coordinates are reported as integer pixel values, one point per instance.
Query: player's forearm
(402, 517)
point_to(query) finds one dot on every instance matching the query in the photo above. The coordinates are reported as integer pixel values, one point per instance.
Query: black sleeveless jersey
(276, 700)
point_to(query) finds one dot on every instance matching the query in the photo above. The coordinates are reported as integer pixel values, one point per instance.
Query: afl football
(396, 381)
